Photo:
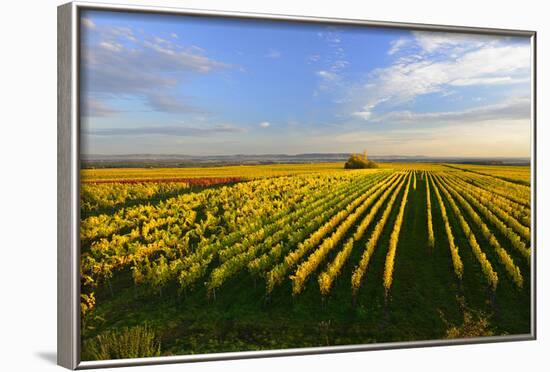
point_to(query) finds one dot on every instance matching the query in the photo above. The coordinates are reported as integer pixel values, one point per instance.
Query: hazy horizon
(303, 154)
(177, 85)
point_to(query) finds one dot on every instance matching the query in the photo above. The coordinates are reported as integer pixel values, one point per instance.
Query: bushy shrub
(358, 161)
(475, 323)
(135, 342)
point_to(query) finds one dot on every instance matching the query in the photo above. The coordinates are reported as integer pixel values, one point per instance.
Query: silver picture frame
(68, 181)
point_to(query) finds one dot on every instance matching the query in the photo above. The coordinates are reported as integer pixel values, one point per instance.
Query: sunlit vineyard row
(511, 173)
(303, 231)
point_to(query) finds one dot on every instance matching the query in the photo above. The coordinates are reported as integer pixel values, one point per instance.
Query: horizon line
(313, 153)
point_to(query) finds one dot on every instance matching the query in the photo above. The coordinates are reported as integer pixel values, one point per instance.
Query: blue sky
(162, 84)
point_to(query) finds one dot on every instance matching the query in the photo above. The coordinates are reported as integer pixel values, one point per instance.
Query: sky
(172, 84)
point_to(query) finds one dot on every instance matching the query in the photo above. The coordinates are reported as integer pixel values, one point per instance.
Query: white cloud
(428, 42)
(431, 42)
(396, 45)
(195, 49)
(314, 58)
(339, 65)
(273, 53)
(264, 124)
(88, 23)
(482, 81)
(112, 46)
(174, 35)
(160, 40)
(365, 115)
(327, 75)
(407, 78)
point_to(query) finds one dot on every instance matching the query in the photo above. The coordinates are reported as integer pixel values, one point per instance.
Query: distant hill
(177, 160)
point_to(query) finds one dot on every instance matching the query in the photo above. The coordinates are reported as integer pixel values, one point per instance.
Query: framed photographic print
(235, 185)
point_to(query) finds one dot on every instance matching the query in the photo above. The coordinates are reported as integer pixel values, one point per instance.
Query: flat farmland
(236, 171)
(283, 256)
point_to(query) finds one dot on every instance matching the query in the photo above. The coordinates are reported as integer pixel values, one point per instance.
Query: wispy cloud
(334, 63)
(431, 42)
(111, 46)
(180, 131)
(428, 42)
(121, 63)
(488, 81)
(273, 54)
(88, 23)
(444, 61)
(165, 102)
(327, 75)
(313, 58)
(396, 45)
(265, 124)
(91, 107)
(514, 109)
(365, 114)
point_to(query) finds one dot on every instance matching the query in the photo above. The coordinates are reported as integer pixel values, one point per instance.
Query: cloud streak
(516, 109)
(327, 75)
(273, 54)
(87, 23)
(94, 108)
(178, 131)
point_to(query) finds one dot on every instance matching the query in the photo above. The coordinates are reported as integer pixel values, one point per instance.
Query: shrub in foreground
(135, 342)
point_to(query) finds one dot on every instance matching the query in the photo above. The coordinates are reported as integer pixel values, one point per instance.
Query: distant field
(517, 174)
(520, 174)
(303, 255)
(242, 171)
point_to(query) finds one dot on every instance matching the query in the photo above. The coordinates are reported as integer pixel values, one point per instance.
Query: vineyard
(304, 255)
